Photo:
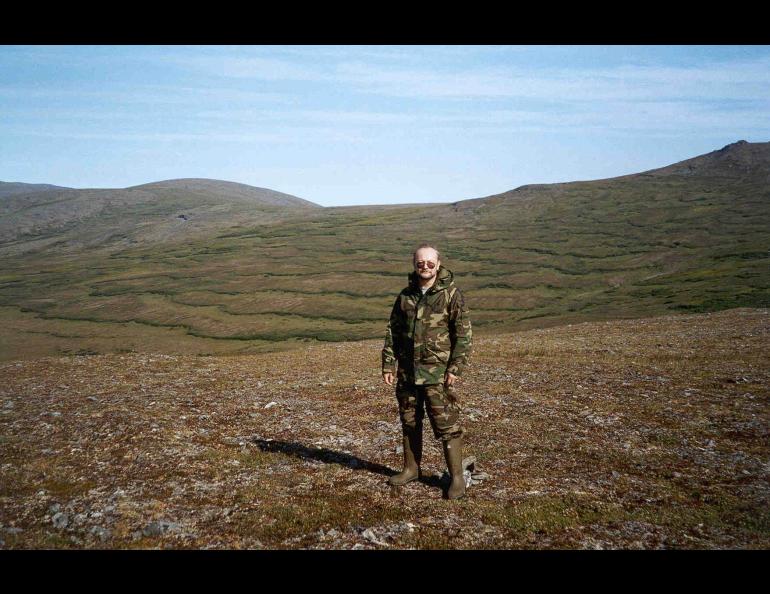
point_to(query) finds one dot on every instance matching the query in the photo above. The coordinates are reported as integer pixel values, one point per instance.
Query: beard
(427, 274)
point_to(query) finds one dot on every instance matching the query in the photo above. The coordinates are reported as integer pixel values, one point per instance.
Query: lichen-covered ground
(648, 433)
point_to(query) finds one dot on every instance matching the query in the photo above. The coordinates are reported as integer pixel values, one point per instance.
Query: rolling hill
(67, 219)
(14, 188)
(242, 275)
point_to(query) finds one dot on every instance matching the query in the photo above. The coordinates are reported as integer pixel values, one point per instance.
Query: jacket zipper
(417, 311)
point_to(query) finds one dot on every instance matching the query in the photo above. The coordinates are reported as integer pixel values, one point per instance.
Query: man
(429, 341)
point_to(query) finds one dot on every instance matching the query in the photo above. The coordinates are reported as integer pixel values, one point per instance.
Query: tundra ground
(648, 433)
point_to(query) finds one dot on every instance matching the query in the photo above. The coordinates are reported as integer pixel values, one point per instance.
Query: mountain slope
(658, 242)
(736, 160)
(161, 211)
(225, 191)
(15, 188)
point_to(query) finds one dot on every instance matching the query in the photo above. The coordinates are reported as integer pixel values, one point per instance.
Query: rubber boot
(453, 451)
(412, 459)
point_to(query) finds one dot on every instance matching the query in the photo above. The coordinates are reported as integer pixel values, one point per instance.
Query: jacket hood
(444, 280)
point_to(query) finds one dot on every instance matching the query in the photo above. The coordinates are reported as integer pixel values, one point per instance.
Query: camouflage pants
(441, 403)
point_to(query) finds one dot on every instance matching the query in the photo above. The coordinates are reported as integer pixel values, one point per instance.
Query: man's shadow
(327, 456)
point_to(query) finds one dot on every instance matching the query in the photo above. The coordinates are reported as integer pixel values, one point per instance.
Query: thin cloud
(293, 135)
(268, 69)
(727, 80)
(150, 94)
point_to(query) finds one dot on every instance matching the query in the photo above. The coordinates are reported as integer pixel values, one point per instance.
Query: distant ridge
(33, 216)
(733, 160)
(739, 159)
(226, 189)
(17, 188)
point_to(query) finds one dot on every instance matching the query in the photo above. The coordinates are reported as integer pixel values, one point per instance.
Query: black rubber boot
(453, 451)
(412, 459)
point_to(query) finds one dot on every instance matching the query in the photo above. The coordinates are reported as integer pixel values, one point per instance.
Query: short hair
(425, 245)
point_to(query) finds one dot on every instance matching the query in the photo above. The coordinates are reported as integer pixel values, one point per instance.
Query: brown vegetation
(649, 433)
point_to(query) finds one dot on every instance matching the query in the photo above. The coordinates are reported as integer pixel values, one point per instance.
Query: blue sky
(343, 125)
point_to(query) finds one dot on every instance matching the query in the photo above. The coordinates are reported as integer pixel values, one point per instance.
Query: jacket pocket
(432, 354)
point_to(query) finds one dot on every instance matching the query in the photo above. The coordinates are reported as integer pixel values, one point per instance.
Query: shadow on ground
(304, 452)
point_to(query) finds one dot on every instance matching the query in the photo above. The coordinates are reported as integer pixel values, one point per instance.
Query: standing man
(429, 340)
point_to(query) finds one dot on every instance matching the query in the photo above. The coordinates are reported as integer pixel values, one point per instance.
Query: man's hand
(450, 378)
(388, 377)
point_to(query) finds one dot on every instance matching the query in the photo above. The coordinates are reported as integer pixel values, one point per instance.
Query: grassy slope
(685, 238)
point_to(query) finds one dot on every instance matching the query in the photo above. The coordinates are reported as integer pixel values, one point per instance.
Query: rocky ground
(649, 433)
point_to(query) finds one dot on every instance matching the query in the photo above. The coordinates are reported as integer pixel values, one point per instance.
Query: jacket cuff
(455, 369)
(388, 365)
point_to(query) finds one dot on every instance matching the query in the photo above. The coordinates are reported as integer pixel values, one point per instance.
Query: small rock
(54, 508)
(101, 533)
(270, 404)
(60, 520)
(160, 527)
(152, 529)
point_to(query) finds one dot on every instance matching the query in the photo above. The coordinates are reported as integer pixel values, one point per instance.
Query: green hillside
(691, 237)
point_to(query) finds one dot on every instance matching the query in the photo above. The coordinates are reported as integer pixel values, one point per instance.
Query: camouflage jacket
(428, 334)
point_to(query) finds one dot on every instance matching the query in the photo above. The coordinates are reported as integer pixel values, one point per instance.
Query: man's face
(423, 260)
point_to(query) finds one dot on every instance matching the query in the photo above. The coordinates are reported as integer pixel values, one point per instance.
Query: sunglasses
(423, 264)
